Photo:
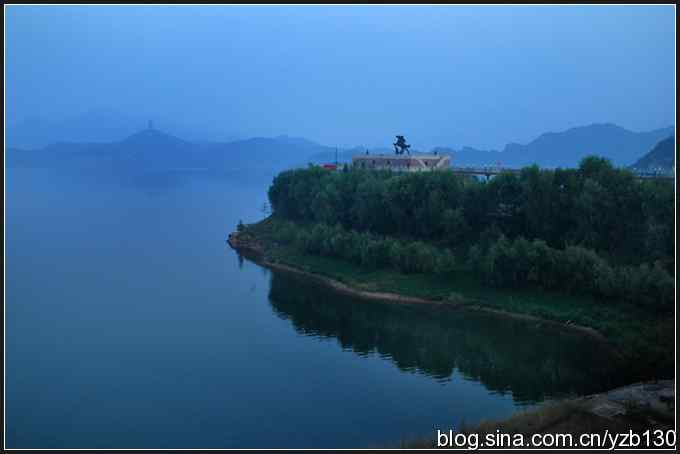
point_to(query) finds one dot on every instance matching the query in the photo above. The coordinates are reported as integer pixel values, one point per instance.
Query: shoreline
(637, 407)
(254, 251)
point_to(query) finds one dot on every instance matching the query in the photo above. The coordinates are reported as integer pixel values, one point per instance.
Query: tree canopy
(594, 229)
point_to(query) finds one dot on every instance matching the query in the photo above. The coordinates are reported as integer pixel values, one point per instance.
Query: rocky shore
(640, 407)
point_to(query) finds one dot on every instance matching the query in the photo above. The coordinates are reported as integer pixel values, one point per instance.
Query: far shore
(254, 251)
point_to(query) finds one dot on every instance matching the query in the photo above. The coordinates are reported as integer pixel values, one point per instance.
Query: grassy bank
(644, 337)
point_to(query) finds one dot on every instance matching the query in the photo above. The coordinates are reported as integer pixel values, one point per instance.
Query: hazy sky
(441, 75)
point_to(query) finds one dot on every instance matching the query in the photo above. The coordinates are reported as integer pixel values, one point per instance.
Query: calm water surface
(131, 324)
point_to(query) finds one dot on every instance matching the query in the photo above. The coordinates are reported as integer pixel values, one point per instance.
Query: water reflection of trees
(531, 361)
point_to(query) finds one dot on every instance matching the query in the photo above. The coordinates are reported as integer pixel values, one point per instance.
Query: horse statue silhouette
(400, 146)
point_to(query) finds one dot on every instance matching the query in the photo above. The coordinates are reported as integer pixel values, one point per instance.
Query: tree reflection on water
(532, 361)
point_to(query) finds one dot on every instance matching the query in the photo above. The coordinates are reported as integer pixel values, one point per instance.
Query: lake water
(131, 324)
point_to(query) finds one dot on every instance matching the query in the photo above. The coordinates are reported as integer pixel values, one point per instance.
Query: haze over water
(345, 76)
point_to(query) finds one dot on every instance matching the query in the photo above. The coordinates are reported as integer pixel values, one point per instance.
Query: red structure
(330, 166)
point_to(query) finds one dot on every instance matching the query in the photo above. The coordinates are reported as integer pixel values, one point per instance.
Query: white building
(403, 162)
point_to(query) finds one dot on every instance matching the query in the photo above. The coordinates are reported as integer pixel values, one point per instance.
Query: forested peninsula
(591, 246)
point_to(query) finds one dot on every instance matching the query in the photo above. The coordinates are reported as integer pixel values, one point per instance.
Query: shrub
(576, 269)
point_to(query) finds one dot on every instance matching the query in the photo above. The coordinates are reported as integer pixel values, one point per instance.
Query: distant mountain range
(660, 159)
(567, 148)
(151, 150)
(552, 149)
(95, 126)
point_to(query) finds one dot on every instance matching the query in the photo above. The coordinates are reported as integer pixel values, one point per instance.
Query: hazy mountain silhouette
(660, 158)
(94, 126)
(151, 150)
(259, 154)
(102, 125)
(567, 148)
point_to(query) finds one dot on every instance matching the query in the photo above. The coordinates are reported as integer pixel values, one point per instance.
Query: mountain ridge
(155, 149)
(152, 150)
(97, 125)
(661, 158)
(566, 148)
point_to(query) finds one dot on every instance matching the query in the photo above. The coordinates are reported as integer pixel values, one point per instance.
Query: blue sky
(440, 75)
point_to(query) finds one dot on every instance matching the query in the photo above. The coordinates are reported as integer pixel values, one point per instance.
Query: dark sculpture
(400, 145)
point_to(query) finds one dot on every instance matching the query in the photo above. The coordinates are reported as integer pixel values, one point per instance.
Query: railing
(662, 175)
(496, 170)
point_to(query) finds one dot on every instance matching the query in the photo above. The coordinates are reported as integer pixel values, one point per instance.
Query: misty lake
(130, 323)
